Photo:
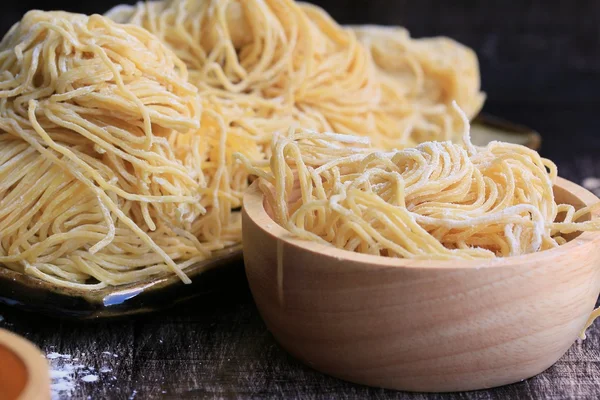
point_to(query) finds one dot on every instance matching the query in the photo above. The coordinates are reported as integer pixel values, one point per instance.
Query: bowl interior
(13, 374)
(562, 196)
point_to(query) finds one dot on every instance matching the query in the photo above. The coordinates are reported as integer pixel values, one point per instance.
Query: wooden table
(216, 346)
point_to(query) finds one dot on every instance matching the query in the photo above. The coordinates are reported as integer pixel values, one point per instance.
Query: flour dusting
(55, 356)
(69, 371)
(90, 378)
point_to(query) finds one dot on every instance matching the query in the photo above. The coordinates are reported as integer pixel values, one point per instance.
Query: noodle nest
(439, 200)
(92, 188)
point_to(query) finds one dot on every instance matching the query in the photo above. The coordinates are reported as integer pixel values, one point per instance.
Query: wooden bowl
(421, 325)
(23, 370)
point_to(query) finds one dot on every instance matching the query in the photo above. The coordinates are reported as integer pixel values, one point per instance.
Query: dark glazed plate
(166, 290)
(486, 128)
(153, 294)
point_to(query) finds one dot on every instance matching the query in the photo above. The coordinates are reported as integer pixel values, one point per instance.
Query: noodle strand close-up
(439, 200)
(261, 67)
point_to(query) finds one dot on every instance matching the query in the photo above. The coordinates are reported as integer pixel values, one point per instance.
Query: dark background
(540, 60)
(540, 66)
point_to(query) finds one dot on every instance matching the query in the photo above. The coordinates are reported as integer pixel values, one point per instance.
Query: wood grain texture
(218, 348)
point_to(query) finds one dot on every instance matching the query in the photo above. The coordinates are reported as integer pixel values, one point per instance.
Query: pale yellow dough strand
(439, 200)
(121, 139)
(92, 192)
(263, 66)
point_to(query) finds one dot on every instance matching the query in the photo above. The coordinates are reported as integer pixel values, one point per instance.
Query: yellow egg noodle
(285, 60)
(123, 169)
(100, 160)
(432, 72)
(262, 66)
(439, 200)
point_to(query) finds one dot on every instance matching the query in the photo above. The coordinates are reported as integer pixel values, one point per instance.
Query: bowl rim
(253, 208)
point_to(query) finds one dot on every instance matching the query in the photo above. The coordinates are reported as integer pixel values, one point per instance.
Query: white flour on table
(68, 372)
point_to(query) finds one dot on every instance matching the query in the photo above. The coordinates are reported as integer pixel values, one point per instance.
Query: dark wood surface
(540, 64)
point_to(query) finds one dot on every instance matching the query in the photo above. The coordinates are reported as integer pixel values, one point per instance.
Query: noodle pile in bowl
(117, 140)
(439, 200)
